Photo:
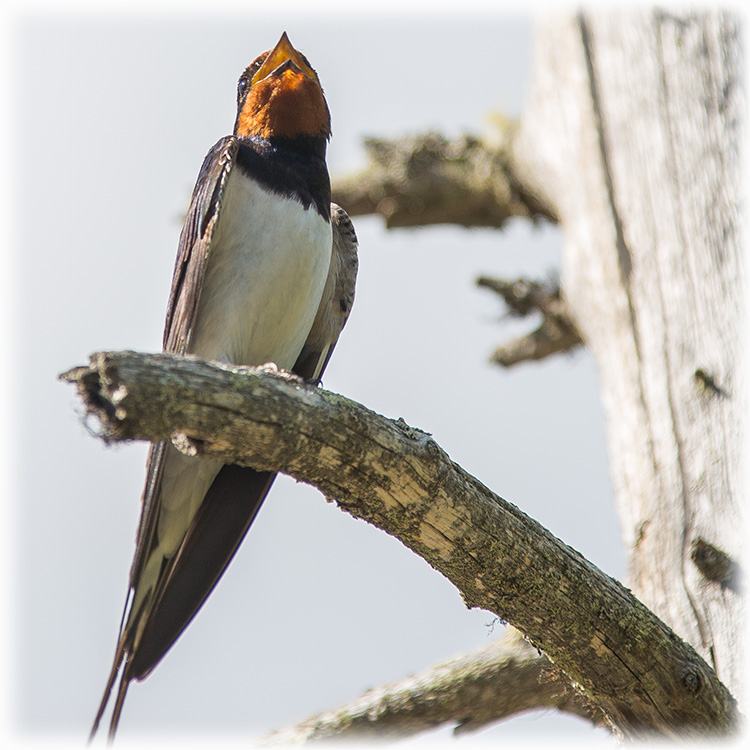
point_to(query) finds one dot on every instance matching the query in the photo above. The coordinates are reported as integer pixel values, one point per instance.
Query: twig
(557, 332)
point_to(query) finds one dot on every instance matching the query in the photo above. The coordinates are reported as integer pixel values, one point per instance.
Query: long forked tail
(121, 691)
(187, 579)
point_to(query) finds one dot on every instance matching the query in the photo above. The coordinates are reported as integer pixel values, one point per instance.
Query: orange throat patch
(286, 105)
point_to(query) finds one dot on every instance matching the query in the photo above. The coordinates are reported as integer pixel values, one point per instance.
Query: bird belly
(265, 277)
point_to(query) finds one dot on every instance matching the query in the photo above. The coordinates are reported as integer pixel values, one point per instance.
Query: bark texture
(633, 134)
(645, 678)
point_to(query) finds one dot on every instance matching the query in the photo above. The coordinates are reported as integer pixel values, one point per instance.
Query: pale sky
(114, 115)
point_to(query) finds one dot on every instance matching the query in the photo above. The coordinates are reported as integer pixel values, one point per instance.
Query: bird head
(279, 96)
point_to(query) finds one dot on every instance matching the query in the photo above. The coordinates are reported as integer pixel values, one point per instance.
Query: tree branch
(430, 179)
(625, 659)
(496, 682)
(557, 332)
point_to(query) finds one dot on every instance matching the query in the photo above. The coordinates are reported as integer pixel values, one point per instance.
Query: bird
(265, 273)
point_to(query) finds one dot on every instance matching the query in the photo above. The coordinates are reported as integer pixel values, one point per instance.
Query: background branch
(496, 682)
(414, 181)
(557, 332)
(625, 659)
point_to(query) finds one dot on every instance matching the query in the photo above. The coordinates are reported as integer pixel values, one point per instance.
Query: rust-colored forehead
(255, 64)
(254, 67)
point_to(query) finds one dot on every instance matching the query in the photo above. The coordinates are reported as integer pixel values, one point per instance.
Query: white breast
(265, 277)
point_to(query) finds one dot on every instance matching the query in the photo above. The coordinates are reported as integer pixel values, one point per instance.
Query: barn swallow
(265, 272)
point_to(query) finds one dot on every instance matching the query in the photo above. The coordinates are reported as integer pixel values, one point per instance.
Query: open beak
(283, 52)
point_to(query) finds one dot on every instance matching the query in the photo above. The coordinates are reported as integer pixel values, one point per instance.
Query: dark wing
(337, 300)
(211, 541)
(195, 244)
(192, 258)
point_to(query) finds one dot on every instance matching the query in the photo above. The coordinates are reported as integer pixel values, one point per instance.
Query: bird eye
(242, 88)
